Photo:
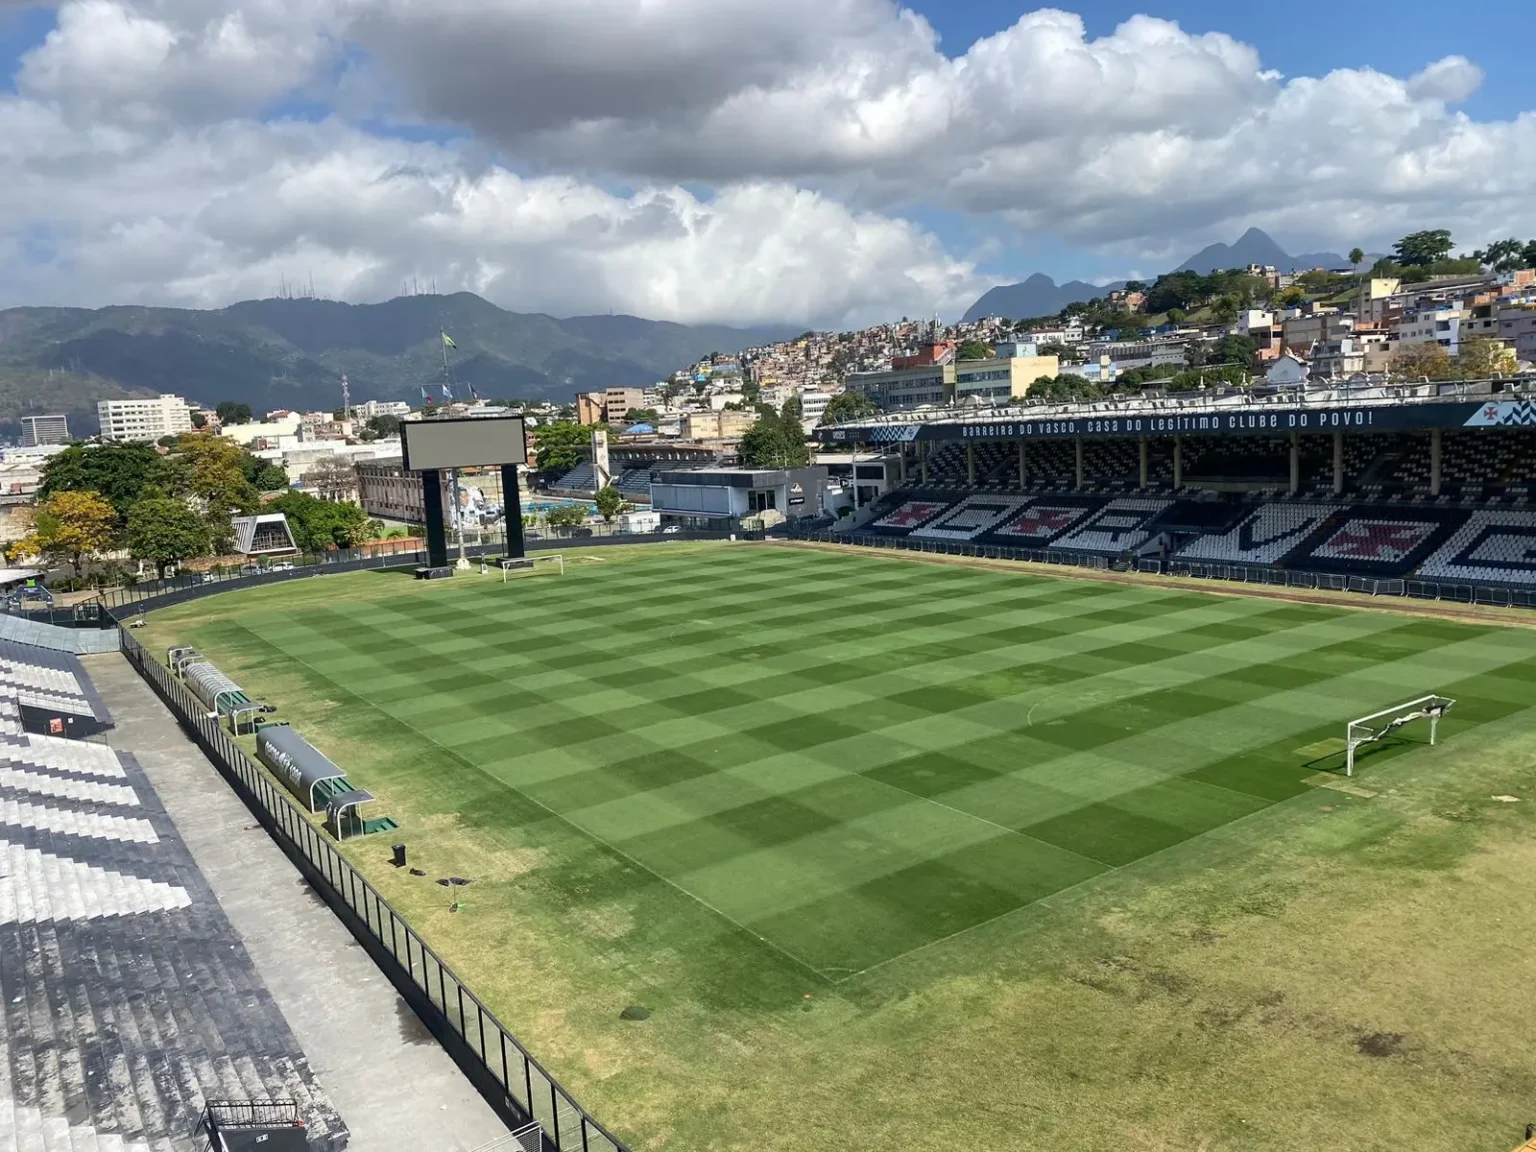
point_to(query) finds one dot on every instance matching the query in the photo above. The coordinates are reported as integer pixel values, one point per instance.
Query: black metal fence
(1488, 595)
(515, 1084)
(150, 594)
(960, 548)
(1491, 596)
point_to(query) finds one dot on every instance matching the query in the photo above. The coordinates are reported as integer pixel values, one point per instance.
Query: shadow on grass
(1389, 746)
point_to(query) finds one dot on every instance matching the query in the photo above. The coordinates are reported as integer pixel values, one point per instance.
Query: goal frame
(1358, 732)
(525, 564)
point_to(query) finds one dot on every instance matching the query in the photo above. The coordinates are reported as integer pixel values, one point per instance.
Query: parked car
(250, 569)
(671, 528)
(284, 566)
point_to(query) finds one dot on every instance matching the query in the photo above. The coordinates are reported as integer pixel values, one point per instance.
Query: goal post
(529, 564)
(1379, 725)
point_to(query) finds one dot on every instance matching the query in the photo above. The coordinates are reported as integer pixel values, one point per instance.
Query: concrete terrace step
(29, 1128)
(127, 1000)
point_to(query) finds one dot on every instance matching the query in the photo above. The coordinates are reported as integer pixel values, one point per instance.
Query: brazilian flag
(447, 340)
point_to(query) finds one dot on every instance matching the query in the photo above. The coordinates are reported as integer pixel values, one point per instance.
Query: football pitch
(809, 770)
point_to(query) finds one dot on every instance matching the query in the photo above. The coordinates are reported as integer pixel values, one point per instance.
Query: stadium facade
(1430, 482)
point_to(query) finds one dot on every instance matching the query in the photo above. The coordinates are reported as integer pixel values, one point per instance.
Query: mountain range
(292, 353)
(1041, 296)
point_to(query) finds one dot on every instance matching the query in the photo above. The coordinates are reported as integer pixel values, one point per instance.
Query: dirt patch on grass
(609, 922)
(1380, 1044)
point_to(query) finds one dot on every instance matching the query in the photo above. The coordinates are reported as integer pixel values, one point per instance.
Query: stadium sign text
(1252, 421)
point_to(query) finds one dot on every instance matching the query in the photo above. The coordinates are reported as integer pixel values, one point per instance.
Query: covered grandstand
(1423, 482)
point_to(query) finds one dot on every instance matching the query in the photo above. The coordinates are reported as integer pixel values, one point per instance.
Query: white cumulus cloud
(691, 159)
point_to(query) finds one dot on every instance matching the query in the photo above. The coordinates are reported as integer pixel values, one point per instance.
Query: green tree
(1480, 358)
(117, 471)
(271, 478)
(1422, 361)
(975, 350)
(561, 445)
(773, 443)
(642, 416)
(199, 420)
(1290, 296)
(792, 412)
(1420, 249)
(1234, 349)
(1503, 255)
(165, 532)
(849, 405)
(566, 516)
(229, 412)
(1356, 257)
(320, 525)
(71, 526)
(381, 427)
(609, 501)
(1177, 316)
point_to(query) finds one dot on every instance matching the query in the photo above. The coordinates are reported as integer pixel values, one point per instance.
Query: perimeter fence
(1490, 595)
(503, 1071)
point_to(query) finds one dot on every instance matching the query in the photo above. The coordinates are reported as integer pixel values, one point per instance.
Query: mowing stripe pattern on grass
(854, 757)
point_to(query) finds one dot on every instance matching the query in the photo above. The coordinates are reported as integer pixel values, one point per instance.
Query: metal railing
(1487, 595)
(504, 1072)
(150, 594)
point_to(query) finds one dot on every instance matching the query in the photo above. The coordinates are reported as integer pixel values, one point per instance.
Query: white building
(143, 419)
(1440, 326)
(368, 409)
(37, 430)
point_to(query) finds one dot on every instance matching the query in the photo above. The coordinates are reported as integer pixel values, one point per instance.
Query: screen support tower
(437, 526)
(1379, 725)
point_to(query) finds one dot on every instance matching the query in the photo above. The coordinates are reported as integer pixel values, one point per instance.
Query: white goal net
(1379, 725)
(538, 562)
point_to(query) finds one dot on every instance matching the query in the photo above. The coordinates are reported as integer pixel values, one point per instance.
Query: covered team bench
(319, 784)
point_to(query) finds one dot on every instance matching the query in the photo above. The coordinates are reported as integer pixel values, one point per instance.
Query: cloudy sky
(820, 161)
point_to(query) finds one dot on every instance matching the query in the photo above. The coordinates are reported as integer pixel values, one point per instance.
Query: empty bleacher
(1263, 536)
(1491, 547)
(1122, 525)
(128, 999)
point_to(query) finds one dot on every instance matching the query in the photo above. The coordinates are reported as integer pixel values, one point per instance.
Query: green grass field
(861, 832)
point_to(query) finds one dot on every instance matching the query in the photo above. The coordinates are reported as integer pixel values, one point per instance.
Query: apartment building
(1440, 326)
(1517, 328)
(39, 430)
(141, 419)
(368, 409)
(999, 380)
(902, 389)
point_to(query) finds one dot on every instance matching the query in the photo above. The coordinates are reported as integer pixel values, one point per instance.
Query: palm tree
(1357, 256)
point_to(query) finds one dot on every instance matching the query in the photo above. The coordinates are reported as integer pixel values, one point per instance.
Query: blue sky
(739, 161)
(1396, 36)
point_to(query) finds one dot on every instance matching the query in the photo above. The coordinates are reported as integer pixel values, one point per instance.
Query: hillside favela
(735, 576)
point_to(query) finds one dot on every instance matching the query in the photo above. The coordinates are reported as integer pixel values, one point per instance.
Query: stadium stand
(1263, 536)
(1491, 547)
(129, 1001)
(1042, 520)
(578, 479)
(1122, 525)
(1375, 541)
(1236, 507)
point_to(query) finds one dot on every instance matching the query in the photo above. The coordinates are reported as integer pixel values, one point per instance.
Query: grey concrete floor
(395, 1088)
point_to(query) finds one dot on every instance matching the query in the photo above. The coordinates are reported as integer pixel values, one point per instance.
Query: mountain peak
(1039, 295)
